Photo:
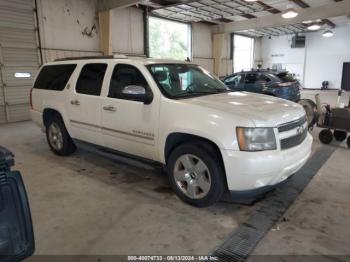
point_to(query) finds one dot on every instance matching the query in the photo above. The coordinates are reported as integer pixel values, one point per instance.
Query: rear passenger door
(263, 82)
(129, 126)
(86, 102)
(250, 84)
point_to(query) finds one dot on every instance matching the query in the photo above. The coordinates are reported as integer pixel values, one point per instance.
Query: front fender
(185, 131)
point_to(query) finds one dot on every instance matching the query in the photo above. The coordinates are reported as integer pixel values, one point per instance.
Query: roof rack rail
(116, 56)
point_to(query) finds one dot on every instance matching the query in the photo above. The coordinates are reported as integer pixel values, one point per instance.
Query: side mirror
(16, 229)
(137, 93)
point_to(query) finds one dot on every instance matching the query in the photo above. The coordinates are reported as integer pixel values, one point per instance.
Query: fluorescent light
(22, 75)
(250, 0)
(314, 27)
(290, 13)
(328, 33)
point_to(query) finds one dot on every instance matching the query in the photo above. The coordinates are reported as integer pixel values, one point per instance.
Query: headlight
(256, 139)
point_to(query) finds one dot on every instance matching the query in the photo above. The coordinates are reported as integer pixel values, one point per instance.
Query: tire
(58, 138)
(340, 135)
(348, 142)
(311, 111)
(326, 136)
(208, 180)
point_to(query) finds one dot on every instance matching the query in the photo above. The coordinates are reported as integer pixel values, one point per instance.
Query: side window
(54, 77)
(250, 78)
(90, 79)
(262, 79)
(123, 76)
(234, 80)
(162, 75)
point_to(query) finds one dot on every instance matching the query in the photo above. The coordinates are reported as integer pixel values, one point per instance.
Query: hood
(263, 110)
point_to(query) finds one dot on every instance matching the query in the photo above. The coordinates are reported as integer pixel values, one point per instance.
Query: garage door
(19, 58)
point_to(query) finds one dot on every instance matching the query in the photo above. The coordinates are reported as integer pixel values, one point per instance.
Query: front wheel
(349, 141)
(58, 138)
(196, 174)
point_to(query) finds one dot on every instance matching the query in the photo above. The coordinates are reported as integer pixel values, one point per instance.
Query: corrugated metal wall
(18, 54)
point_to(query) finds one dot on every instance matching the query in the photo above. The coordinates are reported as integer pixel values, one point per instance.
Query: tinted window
(91, 79)
(54, 77)
(263, 79)
(286, 77)
(250, 78)
(125, 75)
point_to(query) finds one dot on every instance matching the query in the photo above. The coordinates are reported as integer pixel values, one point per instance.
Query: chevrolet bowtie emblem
(300, 130)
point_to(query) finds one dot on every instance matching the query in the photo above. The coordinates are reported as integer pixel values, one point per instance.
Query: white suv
(210, 139)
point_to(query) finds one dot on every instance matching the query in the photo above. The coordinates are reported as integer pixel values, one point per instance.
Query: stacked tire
(326, 136)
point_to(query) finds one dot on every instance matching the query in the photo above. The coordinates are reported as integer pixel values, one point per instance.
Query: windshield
(185, 80)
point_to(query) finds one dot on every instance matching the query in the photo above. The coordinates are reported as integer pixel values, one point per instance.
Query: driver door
(16, 230)
(128, 125)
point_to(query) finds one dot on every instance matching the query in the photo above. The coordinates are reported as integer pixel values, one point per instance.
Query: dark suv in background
(279, 84)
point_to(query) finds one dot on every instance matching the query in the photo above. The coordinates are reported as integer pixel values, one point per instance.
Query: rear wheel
(58, 138)
(326, 136)
(349, 141)
(340, 135)
(196, 174)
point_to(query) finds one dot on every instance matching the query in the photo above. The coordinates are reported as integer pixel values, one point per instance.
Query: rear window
(54, 77)
(286, 77)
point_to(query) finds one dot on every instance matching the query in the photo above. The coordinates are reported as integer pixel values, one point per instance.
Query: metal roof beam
(300, 3)
(104, 5)
(313, 13)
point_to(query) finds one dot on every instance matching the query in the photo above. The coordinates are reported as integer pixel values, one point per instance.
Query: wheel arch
(175, 139)
(50, 112)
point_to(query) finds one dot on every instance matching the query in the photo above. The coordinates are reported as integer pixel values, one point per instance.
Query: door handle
(110, 108)
(75, 102)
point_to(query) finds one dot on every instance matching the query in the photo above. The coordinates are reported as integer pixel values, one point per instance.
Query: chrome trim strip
(112, 130)
(126, 133)
(291, 125)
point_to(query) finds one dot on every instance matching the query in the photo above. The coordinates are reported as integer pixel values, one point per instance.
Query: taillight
(31, 98)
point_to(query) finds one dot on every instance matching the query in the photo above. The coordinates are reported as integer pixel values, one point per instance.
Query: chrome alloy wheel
(55, 136)
(192, 176)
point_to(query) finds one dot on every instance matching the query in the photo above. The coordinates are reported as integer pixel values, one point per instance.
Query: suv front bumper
(254, 171)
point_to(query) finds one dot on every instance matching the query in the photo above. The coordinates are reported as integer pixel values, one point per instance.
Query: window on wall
(243, 53)
(169, 39)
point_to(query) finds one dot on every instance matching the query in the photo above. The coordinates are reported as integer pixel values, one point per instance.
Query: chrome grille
(293, 141)
(296, 139)
(292, 125)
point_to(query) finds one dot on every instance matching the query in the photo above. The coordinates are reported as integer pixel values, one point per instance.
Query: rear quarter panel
(51, 99)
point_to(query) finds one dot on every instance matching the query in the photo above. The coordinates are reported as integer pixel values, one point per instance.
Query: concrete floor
(318, 223)
(86, 204)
